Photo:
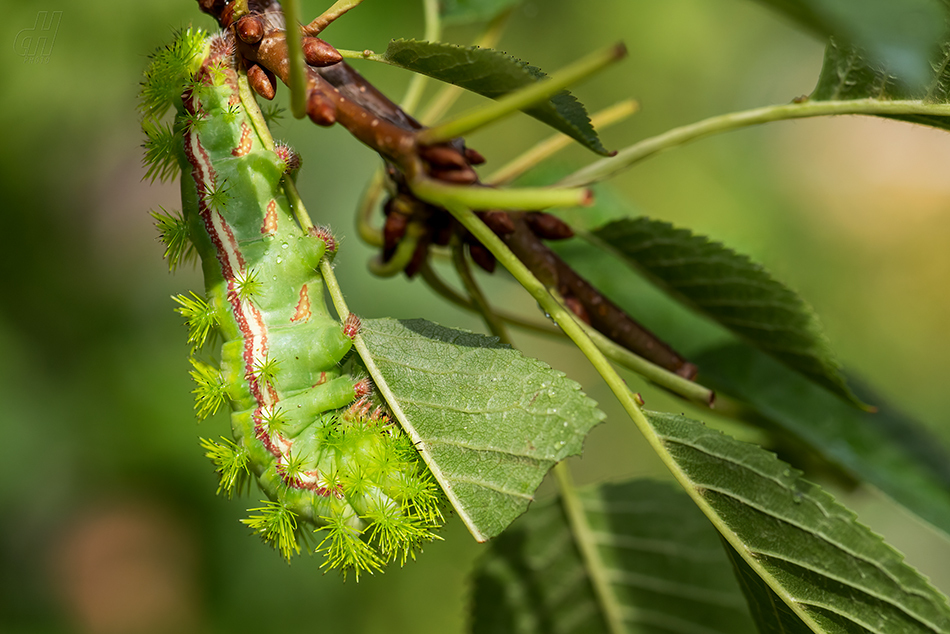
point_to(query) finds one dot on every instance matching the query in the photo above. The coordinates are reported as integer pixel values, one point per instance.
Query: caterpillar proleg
(304, 426)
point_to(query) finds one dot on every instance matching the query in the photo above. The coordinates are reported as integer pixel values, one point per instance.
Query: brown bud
(482, 257)
(548, 227)
(212, 7)
(320, 109)
(465, 176)
(498, 221)
(250, 28)
(226, 11)
(688, 371)
(474, 156)
(443, 156)
(262, 81)
(418, 259)
(320, 53)
(443, 235)
(393, 231)
(575, 306)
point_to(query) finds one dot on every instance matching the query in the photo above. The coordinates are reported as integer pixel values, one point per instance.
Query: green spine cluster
(303, 427)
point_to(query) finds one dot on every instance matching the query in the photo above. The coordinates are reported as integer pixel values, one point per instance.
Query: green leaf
(886, 449)
(771, 614)
(665, 564)
(464, 11)
(733, 291)
(897, 34)
(494, 74)
(847, 74)
(488, 421)
(832, 573)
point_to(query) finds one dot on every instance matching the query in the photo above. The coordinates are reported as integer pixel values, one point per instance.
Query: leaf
(488, 421)
(771, 615)
(732, 290)
(664, 561)
(897, 34)
(848, 72)
(494, 74)
(886, 449)
(832, 573)
(464, 11)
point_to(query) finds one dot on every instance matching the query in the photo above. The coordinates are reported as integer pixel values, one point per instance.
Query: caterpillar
(304, 424)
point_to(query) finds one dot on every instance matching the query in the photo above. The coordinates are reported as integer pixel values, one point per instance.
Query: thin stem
(530, 95)
(439, 286)
(365, 54)
(587, 544)
(557, 142)
(298, 77)
(495, 324)
(364, 224)
(660, 376)
(330, 15)
(403, 255)
(253, 111)
(296, 203)
(605, 168)
(530, 198)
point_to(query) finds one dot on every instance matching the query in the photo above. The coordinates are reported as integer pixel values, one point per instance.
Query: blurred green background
(109, 519)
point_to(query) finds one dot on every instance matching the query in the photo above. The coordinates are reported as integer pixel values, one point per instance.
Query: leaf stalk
(607, 167)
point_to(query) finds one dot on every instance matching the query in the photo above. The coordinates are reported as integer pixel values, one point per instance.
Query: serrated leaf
(665, 563)
(488, 421)
(849, 72)
(832, 573)
(464, 11)
(896, 34)
(886, 449)
(494, 74)
(732, 290)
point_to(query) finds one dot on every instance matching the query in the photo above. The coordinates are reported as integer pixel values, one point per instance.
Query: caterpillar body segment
(301, 426)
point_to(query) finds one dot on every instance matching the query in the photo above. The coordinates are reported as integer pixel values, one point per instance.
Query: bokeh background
(108, 519)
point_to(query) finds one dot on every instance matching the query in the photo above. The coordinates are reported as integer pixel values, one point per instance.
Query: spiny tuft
(273, 114)
(276, 525)
(201, 319)
(343, 548)
(265, 370)
(174, 234)
(247, 285)
(211, 392)
(230, 463)
(162, 143)
(169, 71)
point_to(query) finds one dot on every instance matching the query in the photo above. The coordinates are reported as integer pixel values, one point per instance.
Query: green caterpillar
(300, 414)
